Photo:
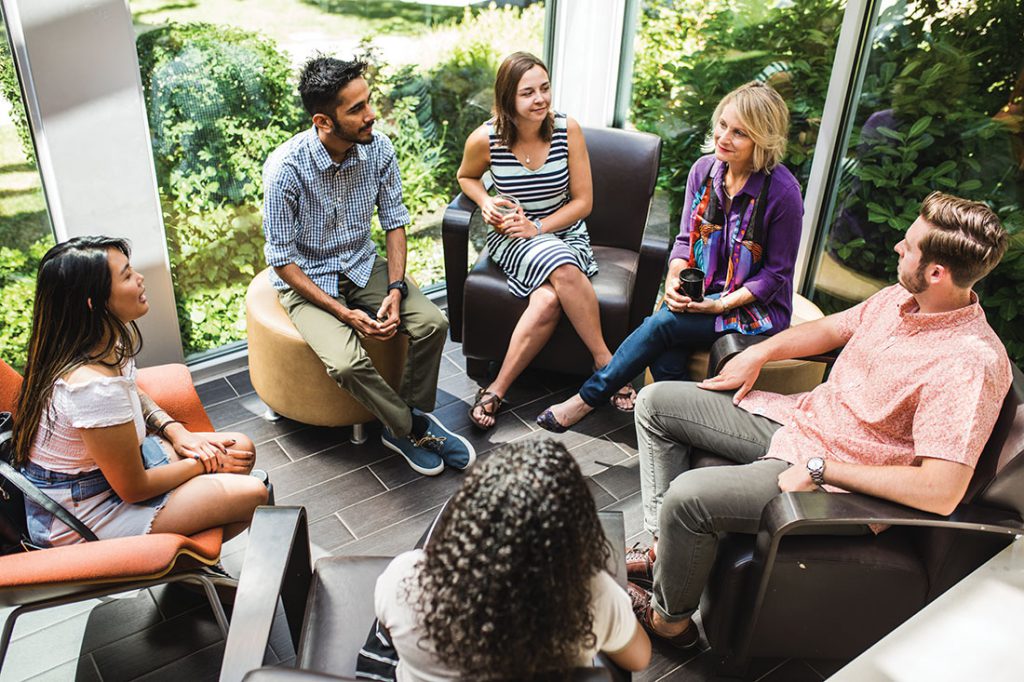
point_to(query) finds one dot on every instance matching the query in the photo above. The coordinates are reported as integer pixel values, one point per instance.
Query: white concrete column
(80, 73)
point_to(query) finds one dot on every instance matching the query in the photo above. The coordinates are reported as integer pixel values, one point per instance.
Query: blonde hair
(765, 117)
(966, 237)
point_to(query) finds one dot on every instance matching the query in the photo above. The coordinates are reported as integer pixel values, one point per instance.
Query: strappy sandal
(489, 403)
(624, 393)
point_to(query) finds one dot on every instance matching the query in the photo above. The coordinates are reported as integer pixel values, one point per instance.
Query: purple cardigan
(772, 285)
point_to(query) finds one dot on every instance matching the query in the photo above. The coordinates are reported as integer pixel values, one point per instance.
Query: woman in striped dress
(540, 158)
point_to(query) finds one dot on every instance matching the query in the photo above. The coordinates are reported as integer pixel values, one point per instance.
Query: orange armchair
(31, 581)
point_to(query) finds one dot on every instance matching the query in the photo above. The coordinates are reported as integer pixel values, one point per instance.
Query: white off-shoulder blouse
(104, 401)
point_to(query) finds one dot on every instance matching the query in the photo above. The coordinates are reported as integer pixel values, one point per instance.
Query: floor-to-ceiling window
(25, 231)
(941, 107)
(219, 83)
(690, 53)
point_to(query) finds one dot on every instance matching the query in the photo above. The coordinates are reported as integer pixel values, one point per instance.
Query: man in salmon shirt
(879, 426)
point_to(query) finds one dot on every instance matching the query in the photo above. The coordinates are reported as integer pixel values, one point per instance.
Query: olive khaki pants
(338, 347)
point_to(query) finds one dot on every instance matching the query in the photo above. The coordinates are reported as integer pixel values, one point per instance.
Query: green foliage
(10, 90)
(419, 158)
(219, 102)
(17, 291)
(690, 53)
(925, 122)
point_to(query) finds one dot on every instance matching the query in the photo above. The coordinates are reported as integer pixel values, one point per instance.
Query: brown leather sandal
(627, 392)
(489, 404)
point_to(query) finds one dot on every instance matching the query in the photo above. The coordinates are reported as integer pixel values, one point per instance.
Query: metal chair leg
(358, 434)
(5, 634)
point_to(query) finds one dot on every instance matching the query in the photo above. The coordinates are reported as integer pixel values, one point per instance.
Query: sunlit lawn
(22, 206)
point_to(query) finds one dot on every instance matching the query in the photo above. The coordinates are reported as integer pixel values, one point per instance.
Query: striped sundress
(529, 262)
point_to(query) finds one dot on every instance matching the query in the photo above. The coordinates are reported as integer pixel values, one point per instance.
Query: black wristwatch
(402, 287)
(816, 468)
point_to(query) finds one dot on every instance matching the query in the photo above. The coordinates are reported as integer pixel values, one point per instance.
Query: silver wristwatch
(536, 223)
(816, 468)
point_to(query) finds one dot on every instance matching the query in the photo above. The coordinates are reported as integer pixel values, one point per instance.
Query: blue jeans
(664, 342)
(89, 496)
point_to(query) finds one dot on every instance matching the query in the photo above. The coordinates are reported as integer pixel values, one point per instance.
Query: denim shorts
(89, 496)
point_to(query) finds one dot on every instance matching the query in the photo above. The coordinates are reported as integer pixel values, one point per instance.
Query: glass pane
(220, 90)
(690, 53)
(25, 231)
(942, 108)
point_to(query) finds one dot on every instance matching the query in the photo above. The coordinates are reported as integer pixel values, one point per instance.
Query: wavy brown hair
(503, 591)
(506, 85)
(71, 326)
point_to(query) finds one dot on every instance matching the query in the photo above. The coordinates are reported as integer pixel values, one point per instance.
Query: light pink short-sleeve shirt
(907, 385)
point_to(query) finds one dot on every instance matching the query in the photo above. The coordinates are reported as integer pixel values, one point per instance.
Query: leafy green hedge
(219, 101)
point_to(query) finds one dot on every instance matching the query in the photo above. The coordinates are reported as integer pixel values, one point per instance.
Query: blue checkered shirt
(316, 213)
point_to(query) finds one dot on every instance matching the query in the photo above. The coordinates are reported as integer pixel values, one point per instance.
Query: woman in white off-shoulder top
(90, 439)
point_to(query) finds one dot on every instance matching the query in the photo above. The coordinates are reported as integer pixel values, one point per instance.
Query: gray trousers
(338, 346)
(688, 509)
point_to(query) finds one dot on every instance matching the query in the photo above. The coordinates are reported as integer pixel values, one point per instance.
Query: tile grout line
(383, 528)
(346, 527)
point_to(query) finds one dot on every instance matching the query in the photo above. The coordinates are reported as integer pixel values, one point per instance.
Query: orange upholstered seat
(35, 580)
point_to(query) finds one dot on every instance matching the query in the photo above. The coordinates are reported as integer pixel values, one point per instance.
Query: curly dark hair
(504, 588)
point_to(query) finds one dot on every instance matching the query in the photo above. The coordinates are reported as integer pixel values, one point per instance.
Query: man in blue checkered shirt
(319, 191)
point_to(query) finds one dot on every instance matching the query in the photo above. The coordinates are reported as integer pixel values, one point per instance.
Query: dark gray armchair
(483, 313)
(814, 583)
(329, 608)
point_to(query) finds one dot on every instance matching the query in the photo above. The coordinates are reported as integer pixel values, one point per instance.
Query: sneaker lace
(429, 442)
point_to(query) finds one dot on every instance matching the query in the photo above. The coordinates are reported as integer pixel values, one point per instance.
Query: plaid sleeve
(280, 215)
(390, 209)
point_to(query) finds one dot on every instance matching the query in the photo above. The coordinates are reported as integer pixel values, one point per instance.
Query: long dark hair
(506, 85)
(504, 588)
(71, 326)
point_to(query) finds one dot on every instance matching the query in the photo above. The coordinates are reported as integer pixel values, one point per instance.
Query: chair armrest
(455, 242)
(170, 386)
(790, 513)
(276, 674)
(651, 264)
(801, 513)
(729, 346)
(277, 563)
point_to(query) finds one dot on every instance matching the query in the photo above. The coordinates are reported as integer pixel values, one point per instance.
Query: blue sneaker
(455, 450)
(421, 454)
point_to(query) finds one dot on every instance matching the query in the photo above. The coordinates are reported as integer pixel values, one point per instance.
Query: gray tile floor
(360, 500)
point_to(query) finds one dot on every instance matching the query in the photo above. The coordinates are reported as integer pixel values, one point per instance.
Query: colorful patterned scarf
(708, 223)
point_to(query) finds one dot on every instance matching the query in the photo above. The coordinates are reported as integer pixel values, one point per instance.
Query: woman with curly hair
(511, 584)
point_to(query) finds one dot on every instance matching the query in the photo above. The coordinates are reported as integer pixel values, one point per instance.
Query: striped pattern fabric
(529, 262)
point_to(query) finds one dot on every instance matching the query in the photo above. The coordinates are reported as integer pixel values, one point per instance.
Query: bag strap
(762, 204)
(31, 492)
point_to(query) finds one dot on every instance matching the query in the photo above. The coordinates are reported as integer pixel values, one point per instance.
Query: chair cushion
(34, 576)
(339, 613)
(494, 312)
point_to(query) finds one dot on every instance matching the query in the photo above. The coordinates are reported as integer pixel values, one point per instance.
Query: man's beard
(916, 282)
(337, 132)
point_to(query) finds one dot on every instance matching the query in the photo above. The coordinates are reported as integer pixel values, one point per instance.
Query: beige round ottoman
(291, 379)
(781, 376)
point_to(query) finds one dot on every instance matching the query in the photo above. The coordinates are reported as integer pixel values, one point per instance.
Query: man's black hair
(322, 78)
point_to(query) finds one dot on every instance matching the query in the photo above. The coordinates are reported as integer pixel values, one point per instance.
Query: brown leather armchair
(814, 583)
(483, 313)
